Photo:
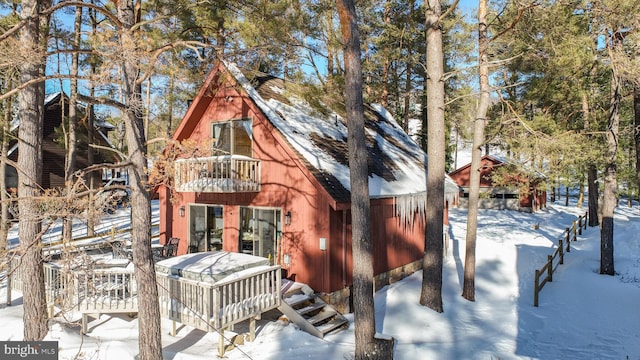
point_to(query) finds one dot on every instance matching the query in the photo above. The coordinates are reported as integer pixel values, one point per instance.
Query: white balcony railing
(225, 173)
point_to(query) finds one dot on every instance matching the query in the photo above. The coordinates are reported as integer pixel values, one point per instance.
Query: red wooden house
(271, 179)
(522, 192)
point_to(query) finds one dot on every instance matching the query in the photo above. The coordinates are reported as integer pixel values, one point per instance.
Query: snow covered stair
(306, 309)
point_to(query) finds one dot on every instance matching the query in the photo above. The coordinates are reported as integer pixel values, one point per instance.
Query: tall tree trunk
(90, 133)
(407, 85)
(150, 340)
(610, 173)
(4, 149)
(581, 192)
(592, 188)
(170, 106)
(431, 294)
(72, 145)
(636, 133)
(592, 173)
(468, 287)
(367, 346)
(30, 173)
(386, 63)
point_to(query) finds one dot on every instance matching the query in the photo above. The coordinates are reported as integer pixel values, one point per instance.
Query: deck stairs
(306, 309)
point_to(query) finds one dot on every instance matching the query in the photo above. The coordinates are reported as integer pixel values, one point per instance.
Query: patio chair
(170, 249)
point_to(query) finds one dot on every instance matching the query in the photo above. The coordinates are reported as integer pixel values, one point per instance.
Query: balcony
(218, 174)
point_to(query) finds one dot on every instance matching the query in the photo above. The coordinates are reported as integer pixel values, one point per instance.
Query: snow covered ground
(582, 315)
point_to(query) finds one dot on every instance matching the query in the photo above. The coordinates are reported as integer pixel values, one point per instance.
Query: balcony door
(205, 228)
(260, 231)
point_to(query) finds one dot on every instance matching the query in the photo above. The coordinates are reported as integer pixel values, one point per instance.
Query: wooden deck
(202, 305)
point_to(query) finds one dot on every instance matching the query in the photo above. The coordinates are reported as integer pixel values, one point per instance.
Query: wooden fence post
(535, 288)
(568, 246)
(561, 251)
(580, 225)
(550, 268)
(575, 231)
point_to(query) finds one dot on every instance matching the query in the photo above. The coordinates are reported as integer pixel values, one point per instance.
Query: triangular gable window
(233, 137)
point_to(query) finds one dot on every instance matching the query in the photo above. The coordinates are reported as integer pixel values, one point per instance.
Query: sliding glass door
(205, 228)
(260, 231)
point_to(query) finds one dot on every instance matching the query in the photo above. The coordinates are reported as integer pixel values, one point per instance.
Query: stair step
(307, 309)
(332, 325)
(322, 315)
(297, 299)
(290, 287)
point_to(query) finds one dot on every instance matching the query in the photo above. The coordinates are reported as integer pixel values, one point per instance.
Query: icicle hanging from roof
(407, 205)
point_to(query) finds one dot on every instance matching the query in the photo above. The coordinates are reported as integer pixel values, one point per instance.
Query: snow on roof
(397, 165)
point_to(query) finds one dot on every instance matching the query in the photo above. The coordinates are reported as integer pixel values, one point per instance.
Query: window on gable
(233, 137)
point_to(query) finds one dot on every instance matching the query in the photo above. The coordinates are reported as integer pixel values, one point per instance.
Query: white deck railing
(208, 306)
(205, 306)
(225, 173)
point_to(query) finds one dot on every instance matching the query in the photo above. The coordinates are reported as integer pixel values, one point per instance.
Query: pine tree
(367, 346)
(30, 105)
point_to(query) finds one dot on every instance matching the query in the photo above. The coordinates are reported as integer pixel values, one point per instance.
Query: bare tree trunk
(581, 192)
(610, 173)
(592, 177)
(30, 173)
(468, 287)
(90, 134)
(150, 339)
(386, 63)
(431, 294)
(592, 173)
(72, 143)
(636, 133)
(4, 149)
(407, 85)
(367, 346)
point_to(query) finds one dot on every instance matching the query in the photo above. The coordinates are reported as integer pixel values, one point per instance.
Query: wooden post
(561, 251)
(568, 234)
(550, 267)
(221, 343)
(252, 328)
(535, 288)
(586, 219)
(568, 246)
(580, 225)
(575, 231)
(9, 290)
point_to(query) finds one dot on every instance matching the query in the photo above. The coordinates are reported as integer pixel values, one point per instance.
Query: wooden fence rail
(545, 273)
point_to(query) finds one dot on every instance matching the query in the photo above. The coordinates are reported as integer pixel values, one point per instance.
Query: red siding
(287, 185)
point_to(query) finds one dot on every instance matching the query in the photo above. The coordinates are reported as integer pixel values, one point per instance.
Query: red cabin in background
(268, 176)
(523, 193)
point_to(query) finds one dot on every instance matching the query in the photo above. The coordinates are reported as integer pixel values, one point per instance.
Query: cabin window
(260, 232)
(205, 228)
(233, 137)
